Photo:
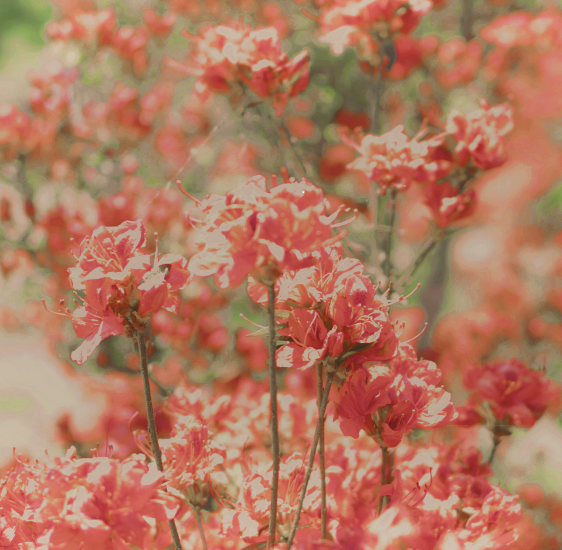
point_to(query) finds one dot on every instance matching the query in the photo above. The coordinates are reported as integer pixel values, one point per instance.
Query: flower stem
(466, 19)
(294, 149)
(387, 261)
(384, 468)
(274, 422)
(199, 524)
(376, 117)
(374, 208)
(139, 336)
(497, 441)
(321, 452)
(419, 260)
(322, 412)
(493, 453)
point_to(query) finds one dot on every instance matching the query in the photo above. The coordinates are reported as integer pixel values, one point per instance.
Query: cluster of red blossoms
(253, 230)
(353, 452)
(442, 164)
(88, 503)
(229, 59)
(122, 286)
(330, 316)
(364, 24)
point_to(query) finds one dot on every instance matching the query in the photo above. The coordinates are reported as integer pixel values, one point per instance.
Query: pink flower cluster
(516, 394)
(121, 286)
(387, 402)
(253, 230)
(365, 24)
(90, 503)
(227, 59)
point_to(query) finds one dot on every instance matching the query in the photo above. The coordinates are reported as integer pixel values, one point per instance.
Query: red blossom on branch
(121, 287)
(394, 161)
(90, 503)
(517, 394)
(260, 231)
(227, 59)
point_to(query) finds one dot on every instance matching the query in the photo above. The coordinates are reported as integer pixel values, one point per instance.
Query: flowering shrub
(322, 151)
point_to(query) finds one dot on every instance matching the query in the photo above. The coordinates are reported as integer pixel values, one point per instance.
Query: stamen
(310, 16)
(415, 337)
(184, 192)
(402, 298)
(251, 322)
(336, 238)
(348, 141)
(348, 221)
(54, 312)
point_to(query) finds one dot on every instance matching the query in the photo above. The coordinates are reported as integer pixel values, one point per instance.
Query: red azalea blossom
(447, 204)
(253, 230)
(517, 394)
(403, 402)
(480, 135)
(189, 457)
(121, 287)
(250, 517)
(364, 24)
(312, 341)
(226, 59)
(91, 503)
(360, 397)
(344, 312)
(394, 161)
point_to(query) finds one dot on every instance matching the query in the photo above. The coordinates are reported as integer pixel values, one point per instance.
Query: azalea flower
(517, 394)
(121, 287)
(227, 59)
(253, 230)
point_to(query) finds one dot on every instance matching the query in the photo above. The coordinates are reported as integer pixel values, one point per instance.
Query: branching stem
(322, 412)
(419, 260)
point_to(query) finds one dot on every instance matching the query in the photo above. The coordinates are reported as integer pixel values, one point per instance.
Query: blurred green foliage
(23, 20)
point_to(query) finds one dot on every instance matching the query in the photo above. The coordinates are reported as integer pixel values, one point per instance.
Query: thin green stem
(498, 432)
(321, 414)
(466, 19)
(274, 422)
(153, 434)
(494, 449)
(200, 525)
(321, 452)
(384, 468)
(419, 260)
(388, 247)
(272, 131)
(294, 149)
(374, 207)
(376, 118)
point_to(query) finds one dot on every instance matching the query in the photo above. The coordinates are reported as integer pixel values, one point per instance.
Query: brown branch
(322, 412)
(139, 336)
(274, 422)
(321, 452)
